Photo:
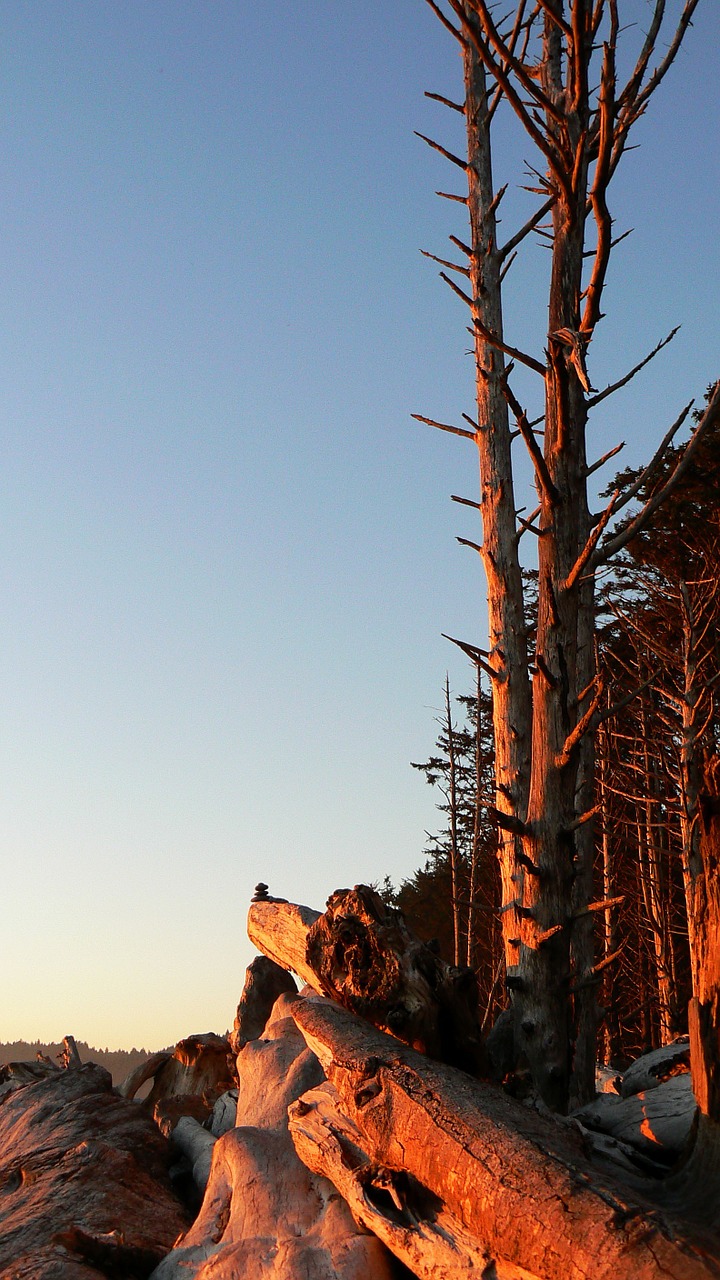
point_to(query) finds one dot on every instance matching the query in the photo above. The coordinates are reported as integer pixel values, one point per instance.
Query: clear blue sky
(227, 552)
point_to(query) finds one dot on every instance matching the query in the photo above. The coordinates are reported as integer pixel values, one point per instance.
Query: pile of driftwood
(380, 1068)
(356, 1130)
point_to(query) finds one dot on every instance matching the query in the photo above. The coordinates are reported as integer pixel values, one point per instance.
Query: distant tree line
(119, 1062)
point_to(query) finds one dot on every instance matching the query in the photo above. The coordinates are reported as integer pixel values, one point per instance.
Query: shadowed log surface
(84, 1188)
(519, 1183)
(265, 982)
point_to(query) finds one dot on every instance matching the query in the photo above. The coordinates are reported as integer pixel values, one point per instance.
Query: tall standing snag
(555, 64)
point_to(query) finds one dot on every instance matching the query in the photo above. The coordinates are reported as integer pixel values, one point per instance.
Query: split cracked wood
(517, 1183)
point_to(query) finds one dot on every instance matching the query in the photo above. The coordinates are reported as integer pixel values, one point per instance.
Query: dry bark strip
(518, 1183)
(361, 954)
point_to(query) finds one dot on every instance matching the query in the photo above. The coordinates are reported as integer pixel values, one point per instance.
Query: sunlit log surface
(84, 1186)
(518, 1183)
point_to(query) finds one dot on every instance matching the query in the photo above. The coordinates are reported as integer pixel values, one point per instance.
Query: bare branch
(660, 72)
(622, 382)
(548, 7)
(448, 195)
(606, 905)
(456, 289)
(541, 470)
(478, 656)
(447, 23)
(497, 69)
(595, 466)
(656, 459)
(465, 502)
(592, 542)
(447, 102)
(709, 418)
(603, 221)
(474, 546)
(449, 155)
(516, 354)
(583, 818)
(505, 55)
(444, 262)
(586, 721)
(525, 230)
(444, 426)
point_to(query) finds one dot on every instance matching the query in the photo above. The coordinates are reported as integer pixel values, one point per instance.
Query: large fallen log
(452, 1149)
(361, 954)
(430, 1241)
(84, 1185)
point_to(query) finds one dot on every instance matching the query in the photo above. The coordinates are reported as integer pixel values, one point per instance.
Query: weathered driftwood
(84, 1186)
(656, 1122)
(265, 982)
(186, 1081)
(361, 954)
(519, 1183)
(265, 1216)
(432, 1242)
(196, 1144)
(653, 1068)
(280, 929)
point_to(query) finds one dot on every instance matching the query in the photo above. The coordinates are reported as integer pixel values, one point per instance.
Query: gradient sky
(227, 552)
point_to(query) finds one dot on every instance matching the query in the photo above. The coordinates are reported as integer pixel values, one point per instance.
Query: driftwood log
(265, 982)
(265, 1216)
(442, 1148)
(84, 1185)
(187, 1081)
(361, 954)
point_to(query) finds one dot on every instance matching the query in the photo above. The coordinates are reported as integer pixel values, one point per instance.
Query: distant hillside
(119, 1062)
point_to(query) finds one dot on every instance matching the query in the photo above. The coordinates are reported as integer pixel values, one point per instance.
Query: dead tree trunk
(578, 118)
(704, 1009)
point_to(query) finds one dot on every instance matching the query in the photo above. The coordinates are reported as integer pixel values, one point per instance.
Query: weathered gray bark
(507, 661)
(518, 1183)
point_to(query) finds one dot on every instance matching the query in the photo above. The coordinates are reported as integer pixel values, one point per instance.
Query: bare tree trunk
(507, 651)
(540, 62)
(453, 803)
(704, 1009)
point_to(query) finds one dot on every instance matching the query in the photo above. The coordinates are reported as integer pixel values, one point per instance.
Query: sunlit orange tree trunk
(554, 63)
